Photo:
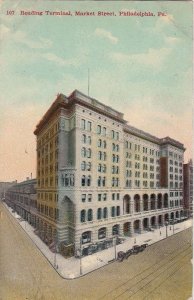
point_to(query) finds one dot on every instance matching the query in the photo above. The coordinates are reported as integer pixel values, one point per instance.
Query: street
(162, 271)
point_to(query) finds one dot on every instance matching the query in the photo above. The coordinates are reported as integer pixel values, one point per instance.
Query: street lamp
(166, 224)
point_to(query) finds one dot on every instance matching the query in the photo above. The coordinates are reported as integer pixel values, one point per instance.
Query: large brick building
(98, 177)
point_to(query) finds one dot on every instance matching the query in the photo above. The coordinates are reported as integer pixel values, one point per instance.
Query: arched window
(66, 179)
(89, 181)
(89, 153)
(89, 140)
(99, 181)
(90, 214)
(99, 168)
(83, 181)
(89, 166)
(72, 180)
(99, 155)
(86, 237)
(62, 180)
(99, 143)
(99, 129)
(113, 211)
(115, 229)
(105, 213)
(99, 214)
(83, 165)
(104, 144)
(102, 233)
(104, 156)
(118, 210)
(83, 138)
(83, 216)
(83, 152)
(113, 147)
(104, 181)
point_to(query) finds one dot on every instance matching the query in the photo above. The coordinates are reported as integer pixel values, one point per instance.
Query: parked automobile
(128, 253)
(120, 256)
(136, 249)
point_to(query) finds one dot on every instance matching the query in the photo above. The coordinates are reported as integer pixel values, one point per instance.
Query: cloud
(106, 34)
(42, 43)
(153, 57)
(21, 37)
(59, 60)
(172, 40)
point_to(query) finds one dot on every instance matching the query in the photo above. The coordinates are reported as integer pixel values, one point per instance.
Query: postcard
(96, 166)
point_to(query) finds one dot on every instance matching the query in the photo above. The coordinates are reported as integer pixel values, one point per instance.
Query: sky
(141, 66)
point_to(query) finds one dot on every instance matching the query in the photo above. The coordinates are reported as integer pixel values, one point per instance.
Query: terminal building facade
(98, 177)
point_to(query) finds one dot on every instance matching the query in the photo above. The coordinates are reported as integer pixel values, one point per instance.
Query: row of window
(101, 182)
(86, 152)
(47, 196)
(86, 139)
(176, 177)
(102, 233)
(172, 194)
(86, 181)
(176, 163)
(102, 213)
(175, 155)
(67, 180)
(101, 197)
(54, 129)
(128, 145)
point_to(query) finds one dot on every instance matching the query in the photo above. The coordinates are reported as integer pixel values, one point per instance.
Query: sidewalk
(74, 267)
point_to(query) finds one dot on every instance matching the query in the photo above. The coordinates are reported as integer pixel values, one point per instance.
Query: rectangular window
(99, 197)
(83, 124)
(83, 197)
(98, 129)
(104, 131)
(89, 197)
(89, 126)
(104, 197)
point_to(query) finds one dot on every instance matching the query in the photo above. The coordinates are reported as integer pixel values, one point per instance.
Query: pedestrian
(134, 240)
(160, 232)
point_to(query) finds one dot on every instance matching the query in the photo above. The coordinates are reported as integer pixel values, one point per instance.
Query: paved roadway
(163, 271)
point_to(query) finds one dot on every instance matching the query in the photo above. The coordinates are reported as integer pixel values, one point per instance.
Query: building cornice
(93, 104)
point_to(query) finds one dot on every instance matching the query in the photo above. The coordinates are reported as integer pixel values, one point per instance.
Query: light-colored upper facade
(97, 176)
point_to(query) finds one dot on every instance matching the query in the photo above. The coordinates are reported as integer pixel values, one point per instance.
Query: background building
(4, 186)
(98, 177)
(188, 187)
(22, 198)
